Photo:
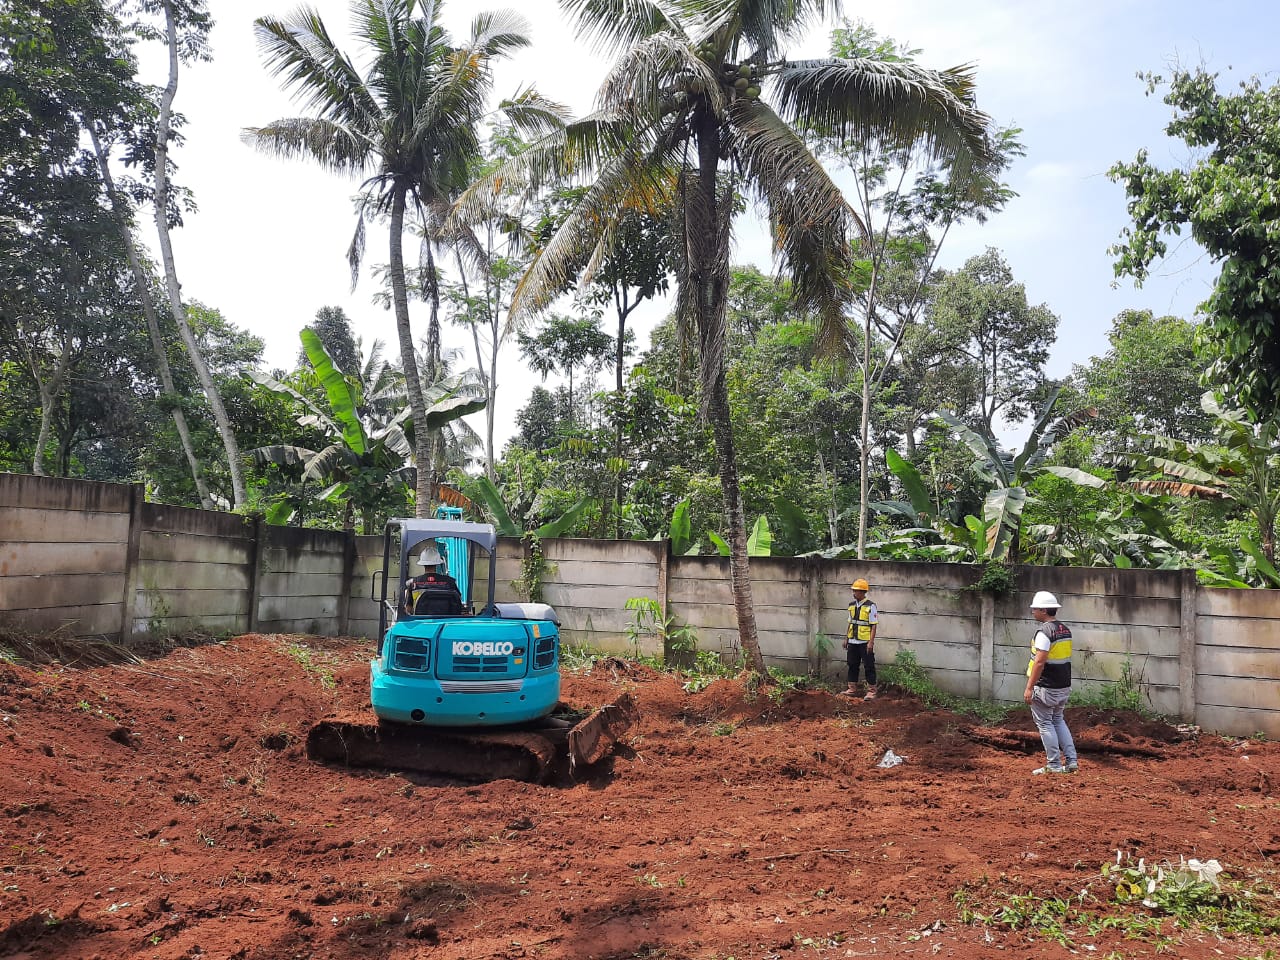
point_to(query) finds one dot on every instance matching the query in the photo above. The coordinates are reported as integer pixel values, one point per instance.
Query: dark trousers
(857, 655)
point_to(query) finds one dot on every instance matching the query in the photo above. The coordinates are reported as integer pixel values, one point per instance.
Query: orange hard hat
(860, 584)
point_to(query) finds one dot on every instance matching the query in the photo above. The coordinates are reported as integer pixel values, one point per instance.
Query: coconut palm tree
(409, 127)
(700, 106)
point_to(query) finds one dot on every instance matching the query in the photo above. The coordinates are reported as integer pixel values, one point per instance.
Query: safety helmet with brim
(430, 555)
(1044, 600)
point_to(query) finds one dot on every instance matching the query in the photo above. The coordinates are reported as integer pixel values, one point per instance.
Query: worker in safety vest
(860, 640)
(433, 591)
(1049, 684)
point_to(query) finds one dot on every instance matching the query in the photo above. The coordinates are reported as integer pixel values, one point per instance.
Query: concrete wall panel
(1238, 721)
(1238, 631)
(186, 548)
(163, 605)
(73, 620)
(67, 559)
(39, 593)
(159, 575)
(22, 525)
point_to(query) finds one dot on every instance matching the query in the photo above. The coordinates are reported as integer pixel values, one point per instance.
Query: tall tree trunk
(174, 291)
(435, 369)
(620, 356)
(864, 451)
(153, 320)
(491, 408)
(707, 236)
(48, 389)
(424, 491)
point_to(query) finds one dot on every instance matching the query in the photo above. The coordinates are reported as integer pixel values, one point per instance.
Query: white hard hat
(430, 555)
(1044, 600)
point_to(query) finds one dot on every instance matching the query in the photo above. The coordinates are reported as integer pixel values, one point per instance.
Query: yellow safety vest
(1057, 666)
(860, 621)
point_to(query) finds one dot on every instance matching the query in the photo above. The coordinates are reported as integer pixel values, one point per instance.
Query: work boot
(1048, 769)
(871, 693)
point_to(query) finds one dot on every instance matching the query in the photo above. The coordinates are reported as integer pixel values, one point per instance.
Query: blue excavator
(464, 687)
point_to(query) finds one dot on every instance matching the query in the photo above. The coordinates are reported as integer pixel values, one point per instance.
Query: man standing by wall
(860, 641)
(1049, 684)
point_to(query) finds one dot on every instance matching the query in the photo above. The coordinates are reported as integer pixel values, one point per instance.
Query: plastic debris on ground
(890, 759)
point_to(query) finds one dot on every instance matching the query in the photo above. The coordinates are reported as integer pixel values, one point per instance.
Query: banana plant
(1008, 473)
(1242, 468)
(366, 463)
(484, 490)
(759, 540)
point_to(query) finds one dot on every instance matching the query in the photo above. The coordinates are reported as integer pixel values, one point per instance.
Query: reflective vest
(860, 621)
(1057, 666)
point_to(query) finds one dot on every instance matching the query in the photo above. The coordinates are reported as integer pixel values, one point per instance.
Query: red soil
(168, 810)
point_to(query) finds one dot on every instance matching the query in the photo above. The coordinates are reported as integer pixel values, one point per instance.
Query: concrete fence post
(987, 648)
(348, 579)
(813, 613)
(255, 574)
(663, 549)
(1189, 595)
(132, 567)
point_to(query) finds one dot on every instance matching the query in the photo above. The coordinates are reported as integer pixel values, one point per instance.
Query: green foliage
(1126, 693)
(1227, 196)
(906, 673)
(1240, 468)
(1144, 902)
(365, 460)
(649, 622)
(998, 579)
(534, 570)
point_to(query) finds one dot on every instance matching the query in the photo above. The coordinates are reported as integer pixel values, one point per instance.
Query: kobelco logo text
(467, 648)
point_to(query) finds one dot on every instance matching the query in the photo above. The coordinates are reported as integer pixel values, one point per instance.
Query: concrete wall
(95, 560)
(64, 554)
(194, 571)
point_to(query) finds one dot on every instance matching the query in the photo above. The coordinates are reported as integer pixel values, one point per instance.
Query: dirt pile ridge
(167, 810)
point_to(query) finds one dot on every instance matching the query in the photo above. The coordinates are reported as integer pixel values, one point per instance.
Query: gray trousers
(1046, 709)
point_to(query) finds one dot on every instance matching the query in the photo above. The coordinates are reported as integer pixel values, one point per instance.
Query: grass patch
(906, 673)
(1127, 693)
(1153, 903)
(306, 659)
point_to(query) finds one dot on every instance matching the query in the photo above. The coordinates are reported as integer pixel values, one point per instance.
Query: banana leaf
(342, 398)
(760, 540)
(912, 482)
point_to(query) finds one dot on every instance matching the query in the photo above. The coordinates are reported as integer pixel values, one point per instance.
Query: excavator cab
(448, 658)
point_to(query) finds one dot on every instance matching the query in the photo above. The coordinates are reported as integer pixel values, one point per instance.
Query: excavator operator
(433, 593)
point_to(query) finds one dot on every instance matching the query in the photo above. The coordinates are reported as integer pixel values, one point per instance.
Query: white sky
(268, 244)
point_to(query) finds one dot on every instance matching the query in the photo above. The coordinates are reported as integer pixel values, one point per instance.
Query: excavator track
(531, 755)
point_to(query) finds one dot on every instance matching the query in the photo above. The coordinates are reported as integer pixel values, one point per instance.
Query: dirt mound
(167, 810)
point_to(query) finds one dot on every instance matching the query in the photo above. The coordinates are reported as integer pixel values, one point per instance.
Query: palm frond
(321, 418)
(809, 217)
(499, 32)
(894, 103)
(767, 25)
(577, 150)
(355, 250)
(324, 463)
(610, 25)
(533, 115)
(633, 180)
(300, 50)
(330, 144)
(646, 79)
(282, 454)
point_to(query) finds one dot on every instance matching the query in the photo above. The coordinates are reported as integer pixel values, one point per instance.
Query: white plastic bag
(890, 759)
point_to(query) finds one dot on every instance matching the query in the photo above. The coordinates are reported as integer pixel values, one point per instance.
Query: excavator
(462, 688)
